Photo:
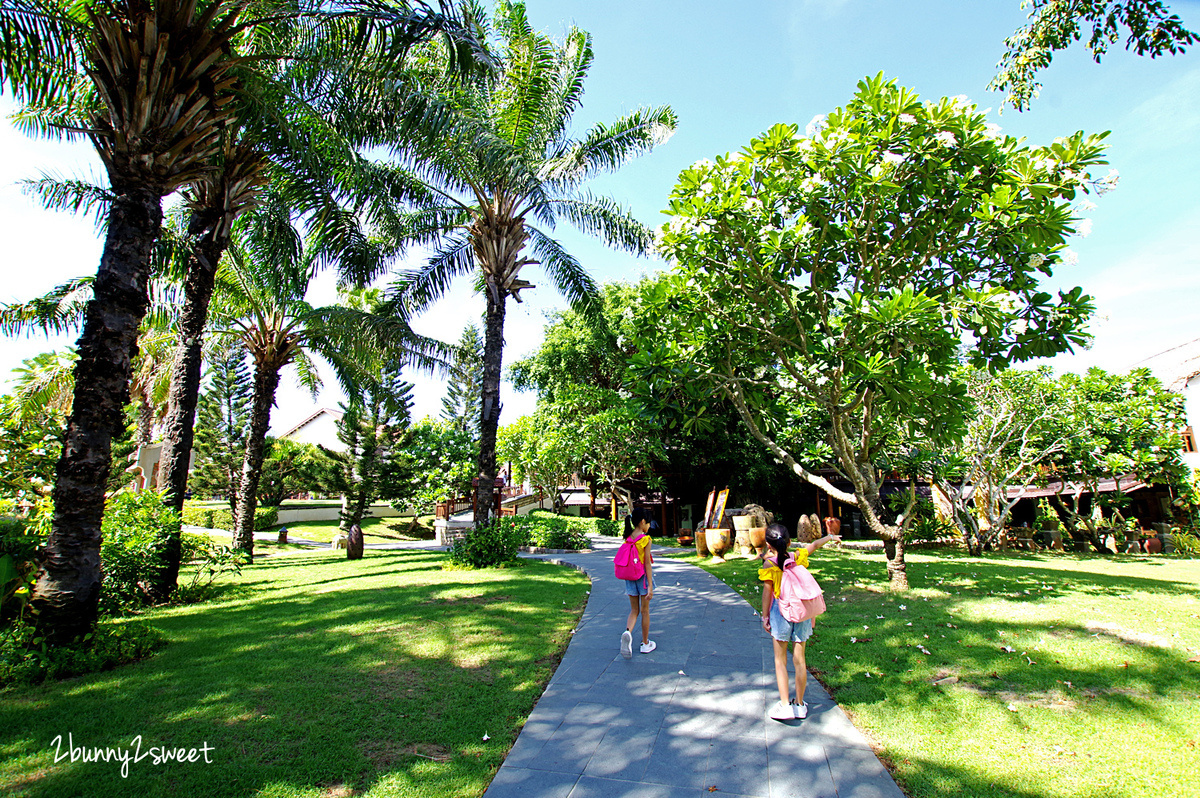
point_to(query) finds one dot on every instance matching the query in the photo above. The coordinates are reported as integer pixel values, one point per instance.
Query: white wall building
(319, 428)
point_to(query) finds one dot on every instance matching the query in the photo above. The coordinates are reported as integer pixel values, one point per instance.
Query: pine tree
(460, 405)
(223, 416)
(374, 428)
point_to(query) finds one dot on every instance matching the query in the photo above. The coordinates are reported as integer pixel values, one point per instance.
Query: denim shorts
(636, 587)
(785, 631)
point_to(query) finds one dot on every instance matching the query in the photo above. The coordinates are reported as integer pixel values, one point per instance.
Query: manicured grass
(1099, 697)
(313, 677)
(375, 530)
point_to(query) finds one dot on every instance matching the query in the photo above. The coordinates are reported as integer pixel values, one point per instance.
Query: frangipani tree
(851, 270)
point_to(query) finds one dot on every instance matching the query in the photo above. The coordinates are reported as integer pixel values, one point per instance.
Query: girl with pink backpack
(634, 565)
(791, 600)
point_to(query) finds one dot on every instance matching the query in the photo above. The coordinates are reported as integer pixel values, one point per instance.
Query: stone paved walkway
(685, 718)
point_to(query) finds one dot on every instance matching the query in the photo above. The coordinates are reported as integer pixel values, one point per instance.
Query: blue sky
(730, 72)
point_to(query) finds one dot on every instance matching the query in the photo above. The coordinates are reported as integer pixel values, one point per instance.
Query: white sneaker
(627, 644)
(648, 647)
(782, 711)
(800, 710)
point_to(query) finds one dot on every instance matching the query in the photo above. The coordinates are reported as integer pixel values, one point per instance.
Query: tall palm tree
(149, 85)
(510, 162)
(260, 305)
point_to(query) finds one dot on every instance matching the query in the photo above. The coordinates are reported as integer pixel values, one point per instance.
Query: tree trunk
(897, 575)
(266, 380)
(67, 592)
(489, 415)
(180, 425)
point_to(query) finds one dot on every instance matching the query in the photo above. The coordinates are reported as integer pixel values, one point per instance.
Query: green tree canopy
(848, 269)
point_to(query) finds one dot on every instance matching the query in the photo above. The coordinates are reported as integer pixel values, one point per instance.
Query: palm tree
(509, 162)
(260, 306)
(151, 83)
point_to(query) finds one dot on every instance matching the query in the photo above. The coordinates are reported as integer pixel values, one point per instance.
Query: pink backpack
(628, 564)
(800, 597)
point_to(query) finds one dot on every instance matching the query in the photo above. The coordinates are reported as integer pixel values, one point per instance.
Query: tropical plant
(507, 162)
(1055, 24)
(843, 270)
(460, 405)
(261, 307)
(440, 460)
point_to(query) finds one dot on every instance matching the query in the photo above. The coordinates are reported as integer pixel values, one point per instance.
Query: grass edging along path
(375, 530)
(315, 677)
(1014, 676)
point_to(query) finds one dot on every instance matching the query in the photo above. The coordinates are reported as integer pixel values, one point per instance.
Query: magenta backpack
(800, 597)
(627, 563)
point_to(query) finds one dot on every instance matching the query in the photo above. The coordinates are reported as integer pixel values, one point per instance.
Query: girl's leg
(801, 671)
(781, 674)
(645, 602)
(633, 613)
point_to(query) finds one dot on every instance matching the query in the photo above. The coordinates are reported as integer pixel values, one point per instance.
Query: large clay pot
(701, 543)
(718, 542)
(833, 526)
(743, 542)
(743, 523)
(758, 539)
(1154, 546)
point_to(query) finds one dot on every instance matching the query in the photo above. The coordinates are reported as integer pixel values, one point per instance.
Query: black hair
(635, 517)
(779, 539)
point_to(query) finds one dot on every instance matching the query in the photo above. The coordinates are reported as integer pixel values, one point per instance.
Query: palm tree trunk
(180, 425)
(266, 380)
(67, 592)
(489, 411)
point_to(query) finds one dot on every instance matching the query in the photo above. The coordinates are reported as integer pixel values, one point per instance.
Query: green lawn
(375, 530)
(1100, 695)
(313, 677)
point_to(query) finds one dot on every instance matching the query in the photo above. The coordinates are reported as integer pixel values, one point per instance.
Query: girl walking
(640, 591)
(781, 629)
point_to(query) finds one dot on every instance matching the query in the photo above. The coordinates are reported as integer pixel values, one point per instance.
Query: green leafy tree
(1113, 425)
(510, 161)
(543, 450)
(460, 405)
(442, 460)
(290, 467)
(1150, 28)
(844, 270)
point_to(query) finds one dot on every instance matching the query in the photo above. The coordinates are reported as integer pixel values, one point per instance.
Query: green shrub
(488, 546)
(26, 658)
(1186, 542)
(217, 518)
(210, 560)
(135, 532)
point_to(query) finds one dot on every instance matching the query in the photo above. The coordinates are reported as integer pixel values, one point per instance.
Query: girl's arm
(768, 597)
(819, 542)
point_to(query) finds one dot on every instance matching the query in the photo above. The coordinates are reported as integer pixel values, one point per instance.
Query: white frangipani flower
(1083, 228)
(946, 138)
(1068, 257)
(907, 119)
(1087, 205)
(992, 130)
(815, 125)
(894, 158)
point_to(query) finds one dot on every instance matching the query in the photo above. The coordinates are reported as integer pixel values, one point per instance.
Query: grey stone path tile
(689, 716)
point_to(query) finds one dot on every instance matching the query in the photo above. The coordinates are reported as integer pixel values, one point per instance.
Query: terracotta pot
(758, 539)
(718, 542)
(701, 543)
(685, 540)
(833, 526)
(1154, 546)
(743, 523)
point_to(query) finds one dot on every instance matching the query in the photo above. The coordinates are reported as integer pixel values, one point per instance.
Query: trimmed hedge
(553, 531)
(215, 518)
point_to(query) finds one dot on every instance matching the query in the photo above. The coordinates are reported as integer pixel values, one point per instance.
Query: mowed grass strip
(313, 677)
(1099, 696)
(375, 530)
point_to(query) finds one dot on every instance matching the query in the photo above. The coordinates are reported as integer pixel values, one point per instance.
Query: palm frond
(73, 195)
(566, 273)
(606, 147)
(58, 311)
(307, 373)
(416, 290)
(602, 217)
(45, 381)
(41, 48)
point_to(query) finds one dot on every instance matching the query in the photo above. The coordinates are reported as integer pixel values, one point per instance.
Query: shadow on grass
(370, 684)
